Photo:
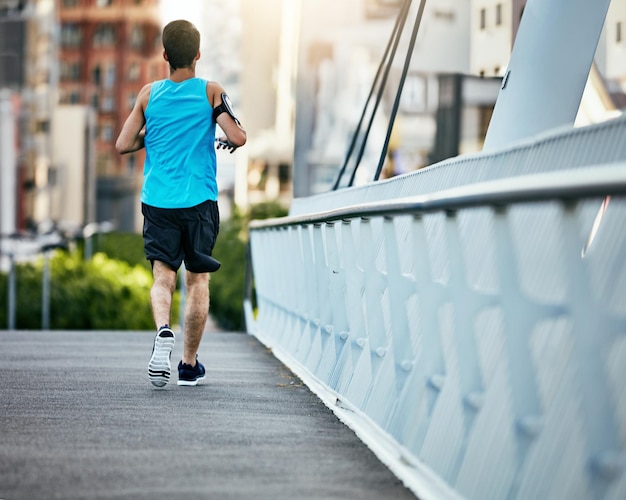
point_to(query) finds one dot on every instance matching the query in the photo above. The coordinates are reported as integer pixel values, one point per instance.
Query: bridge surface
(79, 419)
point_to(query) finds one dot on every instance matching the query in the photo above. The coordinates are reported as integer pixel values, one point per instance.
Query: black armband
(225, 107)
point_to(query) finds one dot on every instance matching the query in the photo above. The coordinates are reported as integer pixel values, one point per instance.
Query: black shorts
(172, 235)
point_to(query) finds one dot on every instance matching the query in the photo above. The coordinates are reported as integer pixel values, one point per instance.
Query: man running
(175, 120)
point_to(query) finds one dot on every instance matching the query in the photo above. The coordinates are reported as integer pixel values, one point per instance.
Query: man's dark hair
(181, 41)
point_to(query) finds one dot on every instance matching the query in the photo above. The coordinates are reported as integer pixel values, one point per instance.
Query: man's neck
(182, 74)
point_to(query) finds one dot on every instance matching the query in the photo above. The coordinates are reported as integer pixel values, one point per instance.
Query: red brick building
(108, 50)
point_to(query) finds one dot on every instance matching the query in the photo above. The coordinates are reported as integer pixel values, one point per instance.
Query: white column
(8, 170)
(548, 69)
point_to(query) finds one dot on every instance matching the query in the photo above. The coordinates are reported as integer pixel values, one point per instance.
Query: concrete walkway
(80, 420)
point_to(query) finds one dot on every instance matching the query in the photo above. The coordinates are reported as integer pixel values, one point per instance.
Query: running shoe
(159, 368)
(190, 375)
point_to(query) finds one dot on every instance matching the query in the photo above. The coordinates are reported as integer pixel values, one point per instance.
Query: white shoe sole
(160, 368)
(191, 383)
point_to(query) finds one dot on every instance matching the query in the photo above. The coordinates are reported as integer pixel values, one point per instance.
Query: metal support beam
(549, 66)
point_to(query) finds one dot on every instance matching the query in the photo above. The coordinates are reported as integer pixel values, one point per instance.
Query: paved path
(79, 419)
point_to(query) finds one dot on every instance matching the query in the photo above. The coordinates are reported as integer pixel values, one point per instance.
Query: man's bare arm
(235, 135)
(132, 134)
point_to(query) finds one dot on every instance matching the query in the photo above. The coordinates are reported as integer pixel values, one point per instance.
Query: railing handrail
(563, 185)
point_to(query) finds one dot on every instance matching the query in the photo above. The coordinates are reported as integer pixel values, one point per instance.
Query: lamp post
(11, 304)
(91, 230)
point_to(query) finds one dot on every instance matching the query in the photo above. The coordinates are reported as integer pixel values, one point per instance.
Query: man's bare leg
(196, 313)
(162, 292)
(159, 367)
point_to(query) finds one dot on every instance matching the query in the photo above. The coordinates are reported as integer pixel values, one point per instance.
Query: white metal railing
(555, 151)
(474, 338)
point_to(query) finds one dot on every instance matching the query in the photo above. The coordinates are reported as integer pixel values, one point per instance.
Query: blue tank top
(180, 166)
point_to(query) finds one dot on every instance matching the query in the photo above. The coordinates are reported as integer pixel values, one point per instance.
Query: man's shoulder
(213, 85)
(155, 84)
(213, 90)
(144, 93)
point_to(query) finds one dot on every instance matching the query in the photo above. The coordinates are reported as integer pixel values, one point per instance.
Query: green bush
(227, 284)
(100, 294)
(127, 247)
(266, 210)
(112, 290)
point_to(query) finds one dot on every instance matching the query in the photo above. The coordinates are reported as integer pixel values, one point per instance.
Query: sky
(182, 9)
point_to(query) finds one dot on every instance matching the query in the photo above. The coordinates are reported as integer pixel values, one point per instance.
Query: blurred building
(27, 83)
(108, 50)
(495, 24)
(12, 33)
(610, 58)
(267, 83)
(337, 62)
(298, 71)
(12, 42)
(9, 146)
(461, 53)
(70, 71)
(74, 196)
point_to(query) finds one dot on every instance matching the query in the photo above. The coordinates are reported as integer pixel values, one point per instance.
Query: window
(71, 35)
(97, 75)
(498, 14)
(104, 36)
(109, 76)
(108, 103)
(104, 3)
(106, 132)
(70, 71)
(133, 72)
(483, 19)
(136, 37)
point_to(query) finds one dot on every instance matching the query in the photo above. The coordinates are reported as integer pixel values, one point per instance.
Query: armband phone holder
(225, 107)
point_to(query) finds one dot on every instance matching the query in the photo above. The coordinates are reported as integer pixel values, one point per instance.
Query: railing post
(45, 292)
(12, 300)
